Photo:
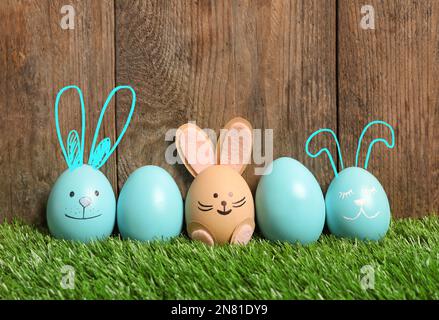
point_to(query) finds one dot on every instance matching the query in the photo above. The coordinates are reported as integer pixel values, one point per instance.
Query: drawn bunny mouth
(224, 213)
(83, 216)
(362, 212)
(236, 204)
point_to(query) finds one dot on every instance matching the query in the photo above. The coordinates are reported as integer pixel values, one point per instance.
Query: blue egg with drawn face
(289, 203)
(357, 205)
(150, 206)
(81, 205)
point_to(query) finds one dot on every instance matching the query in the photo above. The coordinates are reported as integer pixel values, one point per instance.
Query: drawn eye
(344, 195)
(215, 195)
(72, 194)
(97, 193)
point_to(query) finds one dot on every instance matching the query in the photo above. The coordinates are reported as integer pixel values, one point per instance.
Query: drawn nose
(360, 202)
(85, 202)
(223, 203)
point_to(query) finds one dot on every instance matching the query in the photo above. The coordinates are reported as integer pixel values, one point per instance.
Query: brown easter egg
(218, 201)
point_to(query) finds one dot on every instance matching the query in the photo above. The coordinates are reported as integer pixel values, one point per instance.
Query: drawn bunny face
(82, 204)
(219, 204)
(359, 205)
(220, 197)
(356, 203)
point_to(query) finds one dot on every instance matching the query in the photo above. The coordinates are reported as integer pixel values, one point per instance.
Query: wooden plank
(391, 73)
(37, 58)
(272, 62)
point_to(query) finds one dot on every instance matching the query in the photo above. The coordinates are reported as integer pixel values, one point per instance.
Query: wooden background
(293, 66)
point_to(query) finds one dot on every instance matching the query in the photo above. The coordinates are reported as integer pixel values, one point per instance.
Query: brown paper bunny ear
(195, 148)
(235, 143)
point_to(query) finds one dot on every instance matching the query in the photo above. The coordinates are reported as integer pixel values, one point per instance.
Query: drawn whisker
(239, 201)
(205, 209)
(205, 205)
(240, 205)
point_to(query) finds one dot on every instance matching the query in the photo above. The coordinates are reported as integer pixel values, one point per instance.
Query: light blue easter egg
(289, 203)
(357, 205)
(150, 206)
(81, 205)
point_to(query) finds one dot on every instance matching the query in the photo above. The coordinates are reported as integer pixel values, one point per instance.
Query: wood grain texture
(272, 62)
(37, 58)
(391, 73)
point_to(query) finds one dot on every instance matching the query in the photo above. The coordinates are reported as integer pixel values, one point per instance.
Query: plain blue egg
(150, 206)
(289, 203)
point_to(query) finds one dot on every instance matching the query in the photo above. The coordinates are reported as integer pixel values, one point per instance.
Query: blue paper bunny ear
(315, 155)
(369, 150)
(99, 154)
(74, 155)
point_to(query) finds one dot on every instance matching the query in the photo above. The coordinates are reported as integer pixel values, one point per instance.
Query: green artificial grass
(406, 266)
